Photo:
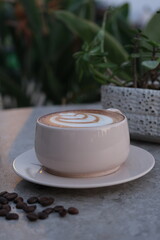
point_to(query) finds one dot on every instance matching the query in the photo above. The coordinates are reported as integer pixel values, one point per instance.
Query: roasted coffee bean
(7, 207)
(3, 212)
(46, 201)
(3, 200)
(32, 200)
(48, 210)
(63, 212)
(10, 196)
(32, 216)
(18, 199)
(21, 205)
(73, 210)
(12, 216)
(2, 193)
(29, 209)
(42, 215)
(58, 208)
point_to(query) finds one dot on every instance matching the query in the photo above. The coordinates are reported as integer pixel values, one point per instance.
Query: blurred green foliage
(39, 38)
(36, 63)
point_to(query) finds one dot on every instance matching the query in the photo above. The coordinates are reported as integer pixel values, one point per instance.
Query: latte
(81, 118)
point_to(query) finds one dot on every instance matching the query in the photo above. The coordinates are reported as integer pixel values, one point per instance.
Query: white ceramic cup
(82, 152)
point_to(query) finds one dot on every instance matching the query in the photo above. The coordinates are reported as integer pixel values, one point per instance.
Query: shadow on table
(117, 191)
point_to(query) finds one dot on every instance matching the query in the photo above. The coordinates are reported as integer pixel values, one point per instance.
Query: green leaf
(106, 65)
(135, 55)
(56, 44)
(150, 64)
(35, 22)
(88, 30)
(152, 28)
(153, 43)
(118, 25)
(124, 64)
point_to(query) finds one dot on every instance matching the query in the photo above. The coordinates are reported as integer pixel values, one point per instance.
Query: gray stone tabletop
(129, 211)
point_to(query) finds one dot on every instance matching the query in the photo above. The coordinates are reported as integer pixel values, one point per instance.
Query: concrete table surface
(127, 211)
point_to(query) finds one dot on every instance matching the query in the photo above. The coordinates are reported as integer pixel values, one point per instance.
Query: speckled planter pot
(141, 106)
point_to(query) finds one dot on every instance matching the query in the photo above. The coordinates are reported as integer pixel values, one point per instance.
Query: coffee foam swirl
(72, 119)
(81, 118)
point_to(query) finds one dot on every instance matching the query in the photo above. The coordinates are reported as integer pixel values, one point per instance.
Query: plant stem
(154, 73)
(105, 79)
(154, 53)
(108, 70)
(135, 61)
(135, 78)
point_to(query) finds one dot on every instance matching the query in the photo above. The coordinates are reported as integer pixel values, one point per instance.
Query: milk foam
(72, 119)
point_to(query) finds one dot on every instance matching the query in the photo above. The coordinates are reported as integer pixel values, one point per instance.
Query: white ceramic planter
(141, 106)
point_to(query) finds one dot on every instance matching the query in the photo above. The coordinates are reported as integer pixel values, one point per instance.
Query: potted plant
(129, 75)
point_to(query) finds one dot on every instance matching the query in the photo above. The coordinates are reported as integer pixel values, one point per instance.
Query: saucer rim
(84, 185)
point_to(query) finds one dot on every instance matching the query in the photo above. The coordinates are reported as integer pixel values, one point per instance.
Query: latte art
(72, 119)
(81, 118)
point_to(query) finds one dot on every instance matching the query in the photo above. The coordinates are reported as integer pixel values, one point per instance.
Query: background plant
(38, 39)
(36, 63)
(133, 60)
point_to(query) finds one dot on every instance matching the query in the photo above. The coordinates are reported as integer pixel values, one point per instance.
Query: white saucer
(139, 163)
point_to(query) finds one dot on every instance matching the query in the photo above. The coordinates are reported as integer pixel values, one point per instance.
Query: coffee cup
(82, 143)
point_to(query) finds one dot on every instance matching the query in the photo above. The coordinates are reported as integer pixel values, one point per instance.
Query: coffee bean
(32, 216)
(3, 212)
(2, 193)
(3, 200)
(29, 209)
(18, 199)
(10, 196)
(46, 201)
(58, 208)
(21, 205)
(73, 210)
(32, 200)
(63, 212)
(7, 207)
(42, 215)
(12, 216)
(48, 210)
